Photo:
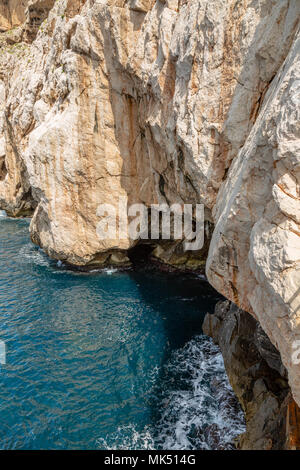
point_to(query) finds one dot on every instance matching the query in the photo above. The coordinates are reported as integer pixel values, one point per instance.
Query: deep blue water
(107, 359)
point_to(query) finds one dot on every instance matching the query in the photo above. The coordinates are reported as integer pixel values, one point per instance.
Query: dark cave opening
(3, 169)
(140, 253)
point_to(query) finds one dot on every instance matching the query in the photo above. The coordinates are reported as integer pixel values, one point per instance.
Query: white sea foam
(31, 254)
(199, 409)
(128, 438)
(110, 271)
(194, 404)
(3, 215)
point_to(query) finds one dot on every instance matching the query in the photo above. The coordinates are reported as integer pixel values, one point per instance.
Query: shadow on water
(183, 301)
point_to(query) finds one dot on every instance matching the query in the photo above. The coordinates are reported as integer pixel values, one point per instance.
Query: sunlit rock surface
(12, 13)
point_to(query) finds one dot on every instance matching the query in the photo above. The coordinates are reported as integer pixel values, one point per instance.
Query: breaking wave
(194, 406)
(128, 438)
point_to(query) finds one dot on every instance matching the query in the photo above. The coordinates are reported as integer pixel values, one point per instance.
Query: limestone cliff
(188, 101)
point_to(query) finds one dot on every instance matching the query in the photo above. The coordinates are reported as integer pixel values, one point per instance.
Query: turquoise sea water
(106, 360)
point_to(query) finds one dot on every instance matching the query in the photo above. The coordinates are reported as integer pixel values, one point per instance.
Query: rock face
(254, 257)
(12, 13)
(166, 101)
(256, 374)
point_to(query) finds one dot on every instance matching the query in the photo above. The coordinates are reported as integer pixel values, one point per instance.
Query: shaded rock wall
(256, 374)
